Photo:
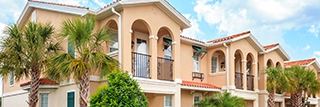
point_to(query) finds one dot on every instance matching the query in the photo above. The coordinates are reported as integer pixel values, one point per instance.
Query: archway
(238, 69)
(218, 62)
(112, 45)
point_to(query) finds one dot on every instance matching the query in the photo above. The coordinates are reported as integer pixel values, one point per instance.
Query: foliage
(275, 81)
(122, 91)
(24, 52)
(88, 57)
(224, 99)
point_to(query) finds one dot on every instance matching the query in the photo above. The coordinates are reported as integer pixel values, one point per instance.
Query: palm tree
(275, 81)
(89, 57)
(224, 99)
(24, 52)
(300, 80)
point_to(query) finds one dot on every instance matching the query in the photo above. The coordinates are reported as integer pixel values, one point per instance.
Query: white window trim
(164, 103)
(41, 100)
(75, 97)
(198, 70)
(142, 36)
(196, 94)
(216, 55)
(114, 53)
(34, 16)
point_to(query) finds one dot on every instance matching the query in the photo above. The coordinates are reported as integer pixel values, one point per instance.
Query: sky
(295, 24)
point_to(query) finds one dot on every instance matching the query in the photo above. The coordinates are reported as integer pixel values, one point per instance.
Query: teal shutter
(70, 48)
(70, 99)
(11, 78)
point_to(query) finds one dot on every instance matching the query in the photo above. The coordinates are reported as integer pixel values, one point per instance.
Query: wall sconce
(222, 64)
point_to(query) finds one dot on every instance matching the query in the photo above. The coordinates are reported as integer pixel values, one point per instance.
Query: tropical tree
(88, 59)
(24, 52)
(301, 80)
(224, 99)
(275, 81)
(121, 91)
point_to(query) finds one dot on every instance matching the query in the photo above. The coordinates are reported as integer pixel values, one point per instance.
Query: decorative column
(153, 60)
(244, 74)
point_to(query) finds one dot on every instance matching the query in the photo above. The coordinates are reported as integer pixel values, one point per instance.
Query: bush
(121, 91)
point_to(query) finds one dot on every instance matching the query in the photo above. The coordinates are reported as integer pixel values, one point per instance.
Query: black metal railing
(250, 82)
(197, 75)
(141, 65)
(165, 66)
(238, 80)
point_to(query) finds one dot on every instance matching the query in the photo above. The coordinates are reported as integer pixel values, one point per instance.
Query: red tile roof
(198, 84)
(229, 37)
(43, 81)
(299, 62)
(59, 4)
(192, 39)
(267, 47)
(110, 4)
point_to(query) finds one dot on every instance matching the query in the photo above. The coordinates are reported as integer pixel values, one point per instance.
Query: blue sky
(295, 24)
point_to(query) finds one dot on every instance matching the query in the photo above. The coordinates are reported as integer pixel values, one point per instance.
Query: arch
(217, 61)
(278, 64)
(238, 55)
(165, 31)
(249, 67)
(141, 26)
(112, 45)
(112, 24)
(269, 63)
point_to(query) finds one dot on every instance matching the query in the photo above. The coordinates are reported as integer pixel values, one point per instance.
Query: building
(173, 70)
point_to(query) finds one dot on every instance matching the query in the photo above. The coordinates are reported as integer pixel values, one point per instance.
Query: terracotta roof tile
(299, 62)
(192, 39)
(43, 81)
(59, 4)
(229, 37)
(267, 47)
(198, 84)
(110, 4)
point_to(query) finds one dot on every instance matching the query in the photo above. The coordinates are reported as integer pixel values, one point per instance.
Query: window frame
(75, 101)
(11, 78)
(165, 98)
(41, 100)
(216, 55)
(112, 33)
(69, 48)
(196, 95)
(198, 62)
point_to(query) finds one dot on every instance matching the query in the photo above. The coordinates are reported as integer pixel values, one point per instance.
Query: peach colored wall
(263, 59)
(249, 103)
(219, 78)
(155, 19)
(186, 66)
(239, 45)
(186, 98)
(155, 100)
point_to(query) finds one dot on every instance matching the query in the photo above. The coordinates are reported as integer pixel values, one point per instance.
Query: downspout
(119, 36)
(227, 65)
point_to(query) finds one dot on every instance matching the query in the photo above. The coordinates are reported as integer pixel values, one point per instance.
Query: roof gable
(277, 48)
(304, 62)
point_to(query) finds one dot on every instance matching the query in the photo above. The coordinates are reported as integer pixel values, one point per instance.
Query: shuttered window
(214, 63)
(70, 99)
(11, 78)
(70, 48)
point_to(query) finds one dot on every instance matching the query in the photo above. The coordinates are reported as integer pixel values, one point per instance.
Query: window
(113, 42)
(70, 48)
(70, 99)
(214, 64)
(196, 97)
(44, 99)
(167, 53)
(167, 101)
(11, 78)
(196, 63)
(34, 16)
(248, 68)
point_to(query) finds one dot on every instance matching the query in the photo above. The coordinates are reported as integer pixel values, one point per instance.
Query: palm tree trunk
(271, 102)
(296, 98)
(84, 90)
(34, 86)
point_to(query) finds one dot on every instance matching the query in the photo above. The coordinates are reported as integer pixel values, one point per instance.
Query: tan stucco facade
(152, 24)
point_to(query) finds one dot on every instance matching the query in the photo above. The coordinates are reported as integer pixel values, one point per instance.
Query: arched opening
(140, 47)
(238, 69)
(165, 59)
(269, 63)
(112, 45)
(218, 62)
(250, 72)
(278, 64)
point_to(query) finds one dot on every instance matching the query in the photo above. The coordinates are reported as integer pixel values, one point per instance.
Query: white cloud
(314, 30)
(306, 48)
(2, 28)
(100, 3)
(316, 54)
(194, 30)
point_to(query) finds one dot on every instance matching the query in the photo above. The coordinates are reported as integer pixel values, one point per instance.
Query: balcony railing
(250, 82)
(140, 65)
(197, 75)
(165, 67)
(238, 80)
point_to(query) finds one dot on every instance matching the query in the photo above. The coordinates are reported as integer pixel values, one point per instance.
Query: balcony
(197, 75)
(165, 67)
(250, 82)
(141, 65)
(238, 80)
